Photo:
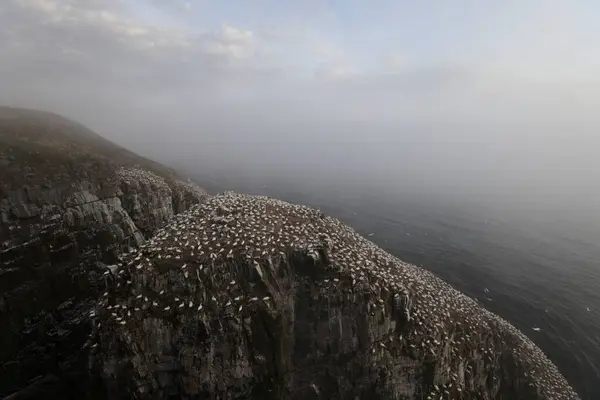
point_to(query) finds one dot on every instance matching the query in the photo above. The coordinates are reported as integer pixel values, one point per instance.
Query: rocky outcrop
(70, 202)
(246, 297)
(239, 297)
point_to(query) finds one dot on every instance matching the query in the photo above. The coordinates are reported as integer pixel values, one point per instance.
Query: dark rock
(69, 200)
(291, 304)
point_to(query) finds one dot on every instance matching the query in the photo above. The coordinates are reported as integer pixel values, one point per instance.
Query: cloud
(143, 78)
(73, 47)
(233, 42)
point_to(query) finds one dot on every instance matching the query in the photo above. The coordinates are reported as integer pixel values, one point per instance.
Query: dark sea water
(533, 269)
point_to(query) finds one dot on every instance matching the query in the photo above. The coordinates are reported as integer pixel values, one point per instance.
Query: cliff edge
(70, 203)
(247, 297)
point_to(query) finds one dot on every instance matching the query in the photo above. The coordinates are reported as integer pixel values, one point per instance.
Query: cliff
(246, 297)
(70, 202)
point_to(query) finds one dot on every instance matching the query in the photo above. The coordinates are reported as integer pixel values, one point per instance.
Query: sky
(476, 97)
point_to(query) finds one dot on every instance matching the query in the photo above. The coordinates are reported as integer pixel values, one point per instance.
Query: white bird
(537, 329)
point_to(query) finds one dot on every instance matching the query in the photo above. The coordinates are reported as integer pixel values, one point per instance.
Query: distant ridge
(70, 202)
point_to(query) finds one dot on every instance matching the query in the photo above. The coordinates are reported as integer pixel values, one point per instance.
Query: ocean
(534, 269)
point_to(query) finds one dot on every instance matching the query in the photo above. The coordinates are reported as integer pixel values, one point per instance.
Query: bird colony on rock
(263, 232)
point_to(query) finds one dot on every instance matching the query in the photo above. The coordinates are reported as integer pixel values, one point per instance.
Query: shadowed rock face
(70, 202)
(246, 297)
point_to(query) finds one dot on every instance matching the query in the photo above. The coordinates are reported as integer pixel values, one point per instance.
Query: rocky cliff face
(247, 297)
(239, 297)
(70, 202)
